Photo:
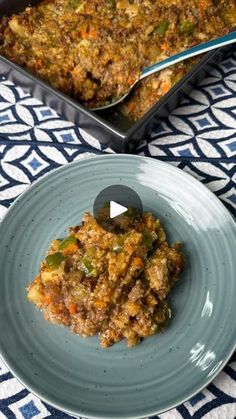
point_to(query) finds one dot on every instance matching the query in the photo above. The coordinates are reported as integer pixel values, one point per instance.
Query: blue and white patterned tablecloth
(199, 137)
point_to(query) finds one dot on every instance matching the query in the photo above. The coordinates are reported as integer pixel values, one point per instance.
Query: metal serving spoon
(230, 38)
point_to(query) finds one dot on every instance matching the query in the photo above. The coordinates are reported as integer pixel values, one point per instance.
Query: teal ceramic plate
(75, 374)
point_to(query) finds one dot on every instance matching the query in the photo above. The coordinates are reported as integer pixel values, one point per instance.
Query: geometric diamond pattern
(28, 407)
(43, 113)
(196, 399)
(229, 65)
(34, 163)
(218, 90)
(232, 146)
(197, 402)
(204, 121)
(29, 410)
(6, 117)
(229, 147)
(232, 198)
(66, 136)
(185, 152)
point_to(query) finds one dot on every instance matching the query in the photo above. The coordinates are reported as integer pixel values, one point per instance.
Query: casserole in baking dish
(92, 51)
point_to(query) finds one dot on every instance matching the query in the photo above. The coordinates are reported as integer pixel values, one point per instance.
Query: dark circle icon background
(120, 194)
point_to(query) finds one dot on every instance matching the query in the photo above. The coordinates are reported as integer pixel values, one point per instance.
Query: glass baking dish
(110, 127)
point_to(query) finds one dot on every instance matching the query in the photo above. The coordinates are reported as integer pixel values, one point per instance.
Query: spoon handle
(230, 38)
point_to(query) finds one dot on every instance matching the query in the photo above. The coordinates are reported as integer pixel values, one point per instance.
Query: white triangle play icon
(116, 209)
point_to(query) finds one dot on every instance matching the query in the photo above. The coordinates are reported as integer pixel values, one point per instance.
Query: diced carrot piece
(100, 304)
(93, 34)
(166, 87)
(83, 34)
(72, 307)
(47, 299)
(131, 80)
(71, 249)
(164, 46)
(203, 4)
(138, 263)
(39, 63)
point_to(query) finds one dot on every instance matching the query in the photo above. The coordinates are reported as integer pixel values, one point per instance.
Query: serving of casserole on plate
(74, 373)
(109, 276)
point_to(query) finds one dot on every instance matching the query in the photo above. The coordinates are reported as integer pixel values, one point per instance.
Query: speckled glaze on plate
(75, 374)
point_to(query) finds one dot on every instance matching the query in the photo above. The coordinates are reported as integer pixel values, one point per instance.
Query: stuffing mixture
(109, 277)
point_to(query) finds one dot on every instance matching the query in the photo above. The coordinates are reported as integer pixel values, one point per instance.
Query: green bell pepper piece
(86, 266)
(112, 3)
(67, 242)
(186, 27)
(147, 239)
(162, 28)
(54, 260)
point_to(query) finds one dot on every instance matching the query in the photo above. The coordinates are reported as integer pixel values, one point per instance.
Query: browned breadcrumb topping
(111, 281)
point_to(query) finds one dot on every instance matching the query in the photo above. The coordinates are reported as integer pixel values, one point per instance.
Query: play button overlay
(117, 199)
(116, 209)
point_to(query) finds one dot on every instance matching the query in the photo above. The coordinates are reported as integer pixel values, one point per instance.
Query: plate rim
(3, 354)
